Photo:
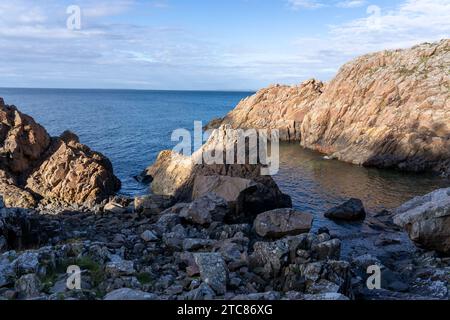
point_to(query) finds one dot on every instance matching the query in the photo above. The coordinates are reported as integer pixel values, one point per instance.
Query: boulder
(119, 267)
(282, 222)
(427, 220)
(148, 236)
(205, 210)
(130, 294)
(73, 174)
(213, 271)
(270, 257)
(327, 250)
(152, 204)
(61, 171)
(226, 187)
(114, 207)
(174, 175)
(350, 210)
(246, 198)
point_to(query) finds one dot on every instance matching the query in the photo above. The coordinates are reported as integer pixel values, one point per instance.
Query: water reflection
(316, 184)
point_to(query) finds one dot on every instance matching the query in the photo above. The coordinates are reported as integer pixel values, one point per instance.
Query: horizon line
(133, 89)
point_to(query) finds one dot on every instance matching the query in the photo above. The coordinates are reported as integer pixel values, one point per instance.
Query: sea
(131, 127)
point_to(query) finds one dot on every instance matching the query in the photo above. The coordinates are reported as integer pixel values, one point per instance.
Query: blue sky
(203, 44)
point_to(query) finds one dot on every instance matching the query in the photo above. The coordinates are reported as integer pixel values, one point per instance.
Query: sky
(202, 44)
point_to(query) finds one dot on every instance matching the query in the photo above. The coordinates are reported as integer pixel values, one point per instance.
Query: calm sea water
(131, 127)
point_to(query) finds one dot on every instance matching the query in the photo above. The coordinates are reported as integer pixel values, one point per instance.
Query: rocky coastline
(226, 231)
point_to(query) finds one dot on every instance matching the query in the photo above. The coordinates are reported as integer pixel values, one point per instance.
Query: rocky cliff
(387, 109)
(35, 167)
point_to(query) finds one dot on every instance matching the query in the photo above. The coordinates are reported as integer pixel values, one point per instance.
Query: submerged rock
(350, 210)
(427, 220)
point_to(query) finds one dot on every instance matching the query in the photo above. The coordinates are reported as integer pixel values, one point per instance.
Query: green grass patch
(144, 278)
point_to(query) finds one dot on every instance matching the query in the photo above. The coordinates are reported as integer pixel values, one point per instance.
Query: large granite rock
(74, 174)
(35, 167)
(387, 109)
(427, 220)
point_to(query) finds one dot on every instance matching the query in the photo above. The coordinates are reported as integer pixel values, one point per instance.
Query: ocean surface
(131, 127)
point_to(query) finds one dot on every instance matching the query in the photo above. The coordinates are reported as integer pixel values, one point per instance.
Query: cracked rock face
(386, 109)
(34, 166)
(74, 174)
(23, 141)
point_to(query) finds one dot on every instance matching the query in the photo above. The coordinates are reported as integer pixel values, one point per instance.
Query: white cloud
(35, 45)
(411, 23)
(106, 8)
(308, 4)
(351, 3)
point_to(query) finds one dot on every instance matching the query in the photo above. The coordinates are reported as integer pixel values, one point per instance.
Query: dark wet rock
(282, 222)
(350, 210)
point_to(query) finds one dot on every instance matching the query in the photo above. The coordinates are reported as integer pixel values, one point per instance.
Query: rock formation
(387, 109)
(427, 220)
(242, 185)
(35, 167)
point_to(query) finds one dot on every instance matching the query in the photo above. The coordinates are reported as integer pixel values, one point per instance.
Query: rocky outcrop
(37, 168)
(242, 185)
(387, 109)
(276, 107)
(427, 220)
(73, 174)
